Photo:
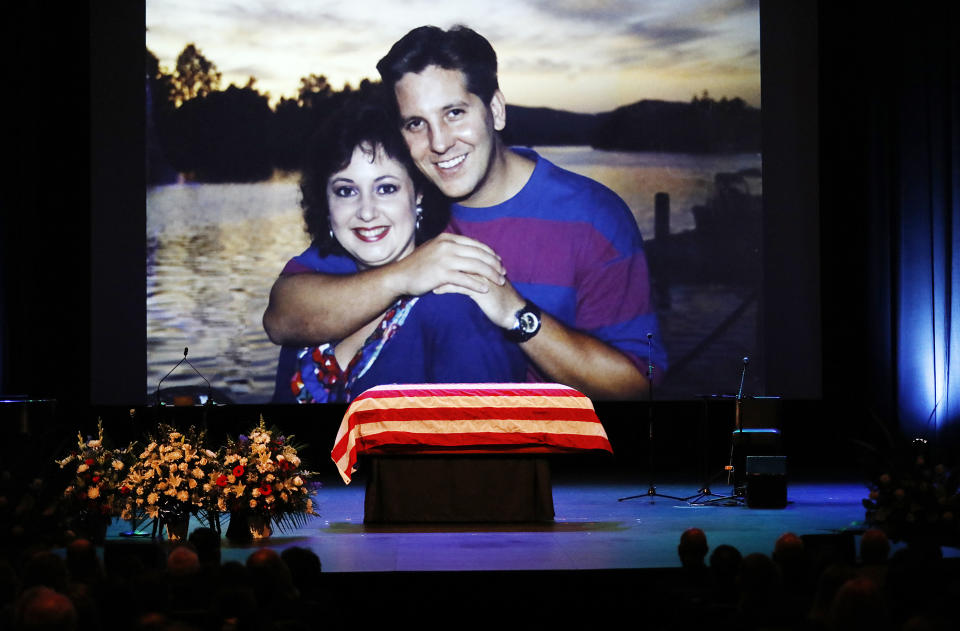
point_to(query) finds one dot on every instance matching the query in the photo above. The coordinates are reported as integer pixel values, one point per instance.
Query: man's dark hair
(367, 123)
(459, 48)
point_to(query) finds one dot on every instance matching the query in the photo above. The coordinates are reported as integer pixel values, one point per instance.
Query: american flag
(467, 418)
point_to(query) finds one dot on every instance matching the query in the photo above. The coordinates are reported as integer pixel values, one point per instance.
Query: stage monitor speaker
(766, 481)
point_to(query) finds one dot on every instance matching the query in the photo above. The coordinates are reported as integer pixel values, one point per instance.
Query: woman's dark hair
(364, 122)
(461, 48)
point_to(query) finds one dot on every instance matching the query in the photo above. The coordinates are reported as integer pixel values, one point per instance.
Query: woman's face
(373, 208)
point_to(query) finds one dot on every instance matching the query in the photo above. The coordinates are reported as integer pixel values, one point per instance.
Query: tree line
(211, 134)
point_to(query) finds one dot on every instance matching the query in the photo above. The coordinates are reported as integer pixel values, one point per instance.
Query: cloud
(668, 35)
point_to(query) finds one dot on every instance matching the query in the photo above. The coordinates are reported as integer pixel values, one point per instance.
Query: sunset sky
(584, 56)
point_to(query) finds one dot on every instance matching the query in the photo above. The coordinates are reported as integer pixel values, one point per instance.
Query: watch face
(529, 322)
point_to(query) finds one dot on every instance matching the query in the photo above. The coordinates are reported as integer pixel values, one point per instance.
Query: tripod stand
(704, 492)
(737, 497)
(651, 490)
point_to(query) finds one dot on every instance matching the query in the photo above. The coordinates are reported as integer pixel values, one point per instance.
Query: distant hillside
(545, 126)
(703, 126)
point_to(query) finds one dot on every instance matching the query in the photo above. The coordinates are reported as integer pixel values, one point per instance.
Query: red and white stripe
(467, 418)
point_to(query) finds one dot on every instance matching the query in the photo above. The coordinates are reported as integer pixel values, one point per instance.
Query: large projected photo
(657, 101)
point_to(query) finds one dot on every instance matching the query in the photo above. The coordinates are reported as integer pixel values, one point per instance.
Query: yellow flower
(93, 492)
(118, 465)
(183, 495)
(253, 503)
(152, 498)
(83, 467)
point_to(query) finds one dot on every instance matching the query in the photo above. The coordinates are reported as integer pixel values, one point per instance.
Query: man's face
(451, 133)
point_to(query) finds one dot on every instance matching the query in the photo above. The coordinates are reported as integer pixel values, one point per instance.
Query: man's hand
(565, 355)
(448, 260)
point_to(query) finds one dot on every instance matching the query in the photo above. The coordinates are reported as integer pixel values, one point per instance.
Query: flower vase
(177, 528)
(259, 527)
(238, 528)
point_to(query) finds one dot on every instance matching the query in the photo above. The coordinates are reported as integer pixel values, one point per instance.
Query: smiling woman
(374, 207)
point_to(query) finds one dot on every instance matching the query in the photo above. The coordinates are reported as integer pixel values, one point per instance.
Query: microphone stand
(738, 494)
(652, 489)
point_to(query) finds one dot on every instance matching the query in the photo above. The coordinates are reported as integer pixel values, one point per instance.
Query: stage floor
(592, 530)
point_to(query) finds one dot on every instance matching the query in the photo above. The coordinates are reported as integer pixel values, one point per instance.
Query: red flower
(124, 489)
(284, 465)
(222, 480)
(88, 462)
(296, 383)
(96, 478)
(266, 489)
(238, 470)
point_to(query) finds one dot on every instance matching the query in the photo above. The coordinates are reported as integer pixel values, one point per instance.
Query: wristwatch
(527, 324)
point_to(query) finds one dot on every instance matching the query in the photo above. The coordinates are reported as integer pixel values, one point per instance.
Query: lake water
(214, 250)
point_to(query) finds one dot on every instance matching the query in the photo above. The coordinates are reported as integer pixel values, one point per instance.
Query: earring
(332, 238)
(416, 226)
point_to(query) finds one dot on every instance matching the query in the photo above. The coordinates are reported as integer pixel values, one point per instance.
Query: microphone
(186, 350)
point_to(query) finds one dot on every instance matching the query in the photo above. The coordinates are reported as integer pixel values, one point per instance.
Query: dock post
(661, 233)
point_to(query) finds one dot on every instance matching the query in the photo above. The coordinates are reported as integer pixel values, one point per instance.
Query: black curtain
(890, 212)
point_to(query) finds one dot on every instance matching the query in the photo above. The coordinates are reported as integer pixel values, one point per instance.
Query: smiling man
(552, 257)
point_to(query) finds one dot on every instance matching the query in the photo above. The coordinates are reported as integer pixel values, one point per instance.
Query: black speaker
(766, 481)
